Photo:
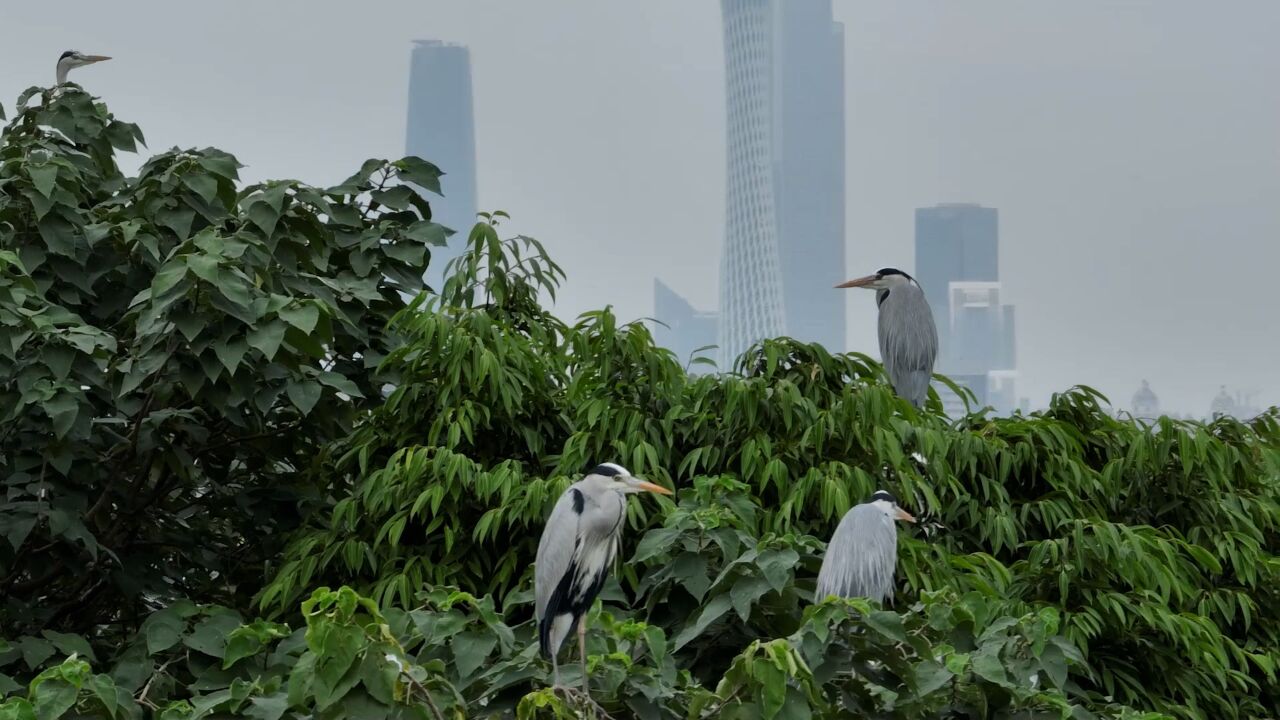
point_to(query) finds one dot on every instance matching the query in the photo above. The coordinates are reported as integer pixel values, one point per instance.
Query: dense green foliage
(1068, 564)
(173, 352)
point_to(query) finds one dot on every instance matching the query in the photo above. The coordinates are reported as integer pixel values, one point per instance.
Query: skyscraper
(441, 129)
(954, 242)
(682, 329)
(957, 266)
(751, 297)
(784, 239)
(808, 163)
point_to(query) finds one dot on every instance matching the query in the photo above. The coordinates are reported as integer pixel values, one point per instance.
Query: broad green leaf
(470, 650)
(304, 394)
(162, 630)
(266, 338)
(268, 707)
(44, 177)
(53, 698)
(69, 644)
(302, 315)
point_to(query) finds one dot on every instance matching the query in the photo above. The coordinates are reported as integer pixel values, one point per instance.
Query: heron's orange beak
(96, 58)
(860, 282)
(646, 485)
(634, 482)
(905, 516)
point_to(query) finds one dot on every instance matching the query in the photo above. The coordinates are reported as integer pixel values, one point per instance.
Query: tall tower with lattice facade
(751, 304)
(784, 230)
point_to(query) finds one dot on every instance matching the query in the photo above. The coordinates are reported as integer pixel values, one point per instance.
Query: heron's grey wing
(555, 550)
(908, 342)
(861, 556)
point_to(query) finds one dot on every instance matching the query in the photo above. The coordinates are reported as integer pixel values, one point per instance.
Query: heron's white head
(884, 279)
(72, 59)
(888, 504)
(618, 478)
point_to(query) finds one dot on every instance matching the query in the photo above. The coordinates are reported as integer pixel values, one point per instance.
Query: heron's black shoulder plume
(579, 502)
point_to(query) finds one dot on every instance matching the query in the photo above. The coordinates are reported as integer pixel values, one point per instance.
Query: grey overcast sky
(1132, 148)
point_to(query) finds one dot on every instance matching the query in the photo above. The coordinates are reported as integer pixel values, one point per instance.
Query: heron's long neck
(62, 73)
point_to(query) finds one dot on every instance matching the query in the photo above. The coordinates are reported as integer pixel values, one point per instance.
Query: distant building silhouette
(784, 224)
(441, 129)
(954, 242)
(809, 169)
(681, 328)
(957, 266)
(1146, 405)
(1238, 406)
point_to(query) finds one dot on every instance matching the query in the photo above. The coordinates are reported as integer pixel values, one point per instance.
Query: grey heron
(863, 553)
(908, 335)
(575, 553)
(72, 59)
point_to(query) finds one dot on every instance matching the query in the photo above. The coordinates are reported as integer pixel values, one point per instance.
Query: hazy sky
(1132, 148)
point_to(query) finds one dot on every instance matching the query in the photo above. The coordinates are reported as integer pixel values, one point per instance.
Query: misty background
(1132, 149)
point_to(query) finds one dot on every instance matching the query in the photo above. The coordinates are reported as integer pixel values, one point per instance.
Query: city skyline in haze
(1131, 149)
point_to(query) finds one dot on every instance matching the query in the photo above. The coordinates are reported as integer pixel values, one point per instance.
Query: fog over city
(1131, 149)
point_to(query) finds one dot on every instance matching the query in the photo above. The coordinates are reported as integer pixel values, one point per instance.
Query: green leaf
(268, 707)
(654, 542)
(888, 624)
(427, 232)
(395, 197)
(44, 178)
(70, 644)
(53, 698)
(930, 676)
(242, 643)
(162, 630)
(340, 383)
(470, 650)
(379, 677)
(986, 664)
(302, 315)
(1054, 664)
(230, 353)
(711, 612)
(304, 394)
(105, 690)
(204, 266)
(773, 688)
(419, 172)
(209, 636)
(35, 651)
(62, 410)
(168, 277)
(266, 338)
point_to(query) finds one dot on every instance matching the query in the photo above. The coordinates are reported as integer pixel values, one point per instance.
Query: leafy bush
(178, 486)
(174, 351)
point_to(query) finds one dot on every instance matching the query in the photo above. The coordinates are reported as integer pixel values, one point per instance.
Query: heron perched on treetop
(72, 59)
(908, 336)
(575, 553)
(863, 553)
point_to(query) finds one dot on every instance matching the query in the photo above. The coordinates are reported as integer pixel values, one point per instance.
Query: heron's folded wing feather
(555, 550)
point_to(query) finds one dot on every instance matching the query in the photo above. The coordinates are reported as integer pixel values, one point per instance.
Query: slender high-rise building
(441, 130)
(809, 163)
(681, 328)
(784, 241)
(751, 305)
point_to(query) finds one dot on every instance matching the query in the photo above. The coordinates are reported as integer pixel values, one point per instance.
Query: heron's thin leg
(555, 670)
(582, 651)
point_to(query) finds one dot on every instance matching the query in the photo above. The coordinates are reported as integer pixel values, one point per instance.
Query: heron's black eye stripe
(882, 495)
(578, 500)
(67, 54)
(604, 470)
